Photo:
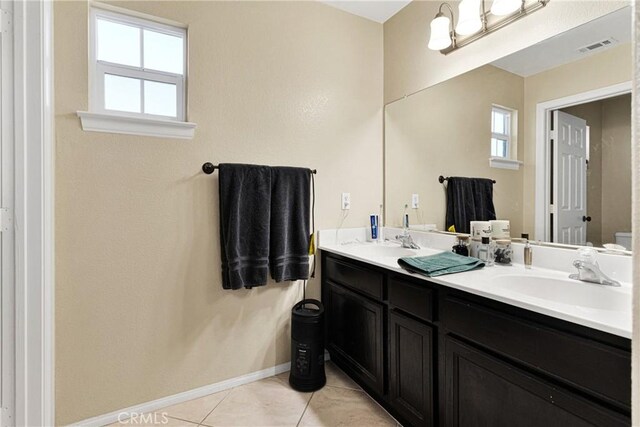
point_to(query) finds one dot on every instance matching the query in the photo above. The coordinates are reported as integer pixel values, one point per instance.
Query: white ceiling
(564, 48)
(375, 10)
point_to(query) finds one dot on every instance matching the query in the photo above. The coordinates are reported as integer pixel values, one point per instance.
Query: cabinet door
(355, 333)
(411, 370)
(482, 390)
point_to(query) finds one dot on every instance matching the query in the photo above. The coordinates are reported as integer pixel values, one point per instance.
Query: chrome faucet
(405, 238)
(407, 241)
(589, 271)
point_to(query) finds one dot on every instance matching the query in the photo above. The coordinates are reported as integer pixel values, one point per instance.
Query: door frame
(7, 202)
(542, 160)
(34, 221)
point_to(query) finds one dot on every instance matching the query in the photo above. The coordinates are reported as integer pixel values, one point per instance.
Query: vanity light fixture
(442, 33)
(469, 20)
(505, 7)
(473, 21)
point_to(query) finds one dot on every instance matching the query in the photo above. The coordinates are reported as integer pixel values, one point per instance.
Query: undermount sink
(384, 250)
(566, 291)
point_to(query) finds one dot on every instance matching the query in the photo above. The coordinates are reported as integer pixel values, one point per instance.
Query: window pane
(498, 147)
(118, 43)
(163, 52)
(498, 120)
(160, 98)
(121, 93)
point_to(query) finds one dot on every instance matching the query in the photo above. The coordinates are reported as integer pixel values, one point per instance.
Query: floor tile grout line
(214, 408)
(305, 408)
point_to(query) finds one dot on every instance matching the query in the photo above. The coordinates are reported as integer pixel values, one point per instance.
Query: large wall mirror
(551, 125)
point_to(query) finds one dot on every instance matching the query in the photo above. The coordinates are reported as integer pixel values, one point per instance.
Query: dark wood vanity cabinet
(355, 333)
(411, 368)
(433, 355)
(482, 390)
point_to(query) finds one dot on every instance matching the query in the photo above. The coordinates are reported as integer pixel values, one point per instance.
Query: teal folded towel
(439, 264)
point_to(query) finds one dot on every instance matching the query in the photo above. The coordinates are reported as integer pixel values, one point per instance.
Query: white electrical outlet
(415, 201)
(346, 201)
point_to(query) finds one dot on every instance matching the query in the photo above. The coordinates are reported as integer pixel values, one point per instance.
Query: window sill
(143, 126)
(502, 163)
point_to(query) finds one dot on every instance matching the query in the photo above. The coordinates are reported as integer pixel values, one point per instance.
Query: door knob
(586, 219)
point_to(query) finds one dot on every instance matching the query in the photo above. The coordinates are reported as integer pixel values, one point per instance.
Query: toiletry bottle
(462, 247)
(485, 252)
(373, 218)
(528, 255)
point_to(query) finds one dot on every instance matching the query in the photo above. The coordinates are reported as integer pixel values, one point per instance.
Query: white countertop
(541, 290)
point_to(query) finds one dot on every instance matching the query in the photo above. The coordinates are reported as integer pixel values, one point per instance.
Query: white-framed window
(504, 132)
(501, 132)
(137, 75)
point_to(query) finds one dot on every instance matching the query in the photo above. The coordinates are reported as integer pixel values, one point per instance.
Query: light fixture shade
(440, 36)
(469, 21)
(505, 7)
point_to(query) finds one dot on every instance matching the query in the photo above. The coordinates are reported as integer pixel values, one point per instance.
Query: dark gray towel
(469, 199)
(290, 205)
(245, 221)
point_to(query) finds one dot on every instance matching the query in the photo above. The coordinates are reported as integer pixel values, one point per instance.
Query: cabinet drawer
(347, 274)
(603, 370)
(411, 298)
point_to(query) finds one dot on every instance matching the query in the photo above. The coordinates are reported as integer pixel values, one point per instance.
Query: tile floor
(272, 402)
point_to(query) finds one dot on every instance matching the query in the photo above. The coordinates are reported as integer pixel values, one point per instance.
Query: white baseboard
(154, 405)
(163, 402)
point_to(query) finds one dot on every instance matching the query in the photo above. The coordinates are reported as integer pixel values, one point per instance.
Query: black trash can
(307, 346)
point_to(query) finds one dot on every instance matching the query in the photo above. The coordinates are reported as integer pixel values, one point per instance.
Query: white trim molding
(195, 393)
(504, 163)
(34, 222)
(543, 115)
(143, 126)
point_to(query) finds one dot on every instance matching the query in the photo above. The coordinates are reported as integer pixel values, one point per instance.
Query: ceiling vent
(598, 45)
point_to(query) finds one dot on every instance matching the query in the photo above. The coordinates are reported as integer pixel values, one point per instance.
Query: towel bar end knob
(208, 168)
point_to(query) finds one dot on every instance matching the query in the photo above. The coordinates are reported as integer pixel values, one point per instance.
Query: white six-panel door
(569, 179)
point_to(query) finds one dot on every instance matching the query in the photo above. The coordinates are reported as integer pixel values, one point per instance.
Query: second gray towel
(289, 234)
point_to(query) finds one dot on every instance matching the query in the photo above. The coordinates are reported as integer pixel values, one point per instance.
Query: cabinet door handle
(586, 218)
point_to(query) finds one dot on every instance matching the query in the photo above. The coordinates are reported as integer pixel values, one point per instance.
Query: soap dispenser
(528, 255)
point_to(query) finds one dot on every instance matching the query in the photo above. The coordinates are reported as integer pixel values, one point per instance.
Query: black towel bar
(442, 179)
(210, 168)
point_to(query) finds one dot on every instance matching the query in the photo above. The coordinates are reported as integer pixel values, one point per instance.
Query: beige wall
(446, 130)
(610, 67)
(140, 312)
(592, 113)
(409, 66)
(616, 166)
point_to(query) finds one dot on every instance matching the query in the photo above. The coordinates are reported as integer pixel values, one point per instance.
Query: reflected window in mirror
(502, 132)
